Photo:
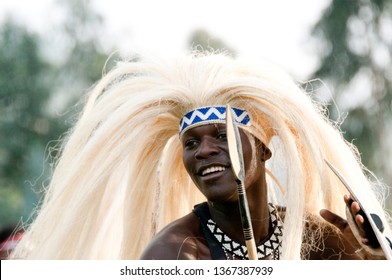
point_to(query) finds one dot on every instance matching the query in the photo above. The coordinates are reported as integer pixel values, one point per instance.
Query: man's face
(207, 160)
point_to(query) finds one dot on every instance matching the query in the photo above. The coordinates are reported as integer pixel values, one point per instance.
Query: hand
(362, 224)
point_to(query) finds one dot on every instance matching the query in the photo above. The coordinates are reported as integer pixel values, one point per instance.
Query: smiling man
(146, 172)
(214, 229)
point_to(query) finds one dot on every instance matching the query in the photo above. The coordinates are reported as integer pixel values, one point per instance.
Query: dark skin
(206, 158)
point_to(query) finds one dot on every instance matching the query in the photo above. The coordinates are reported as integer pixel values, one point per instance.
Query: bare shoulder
(180, 240)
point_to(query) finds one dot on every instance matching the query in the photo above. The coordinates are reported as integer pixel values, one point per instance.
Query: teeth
(212, 169)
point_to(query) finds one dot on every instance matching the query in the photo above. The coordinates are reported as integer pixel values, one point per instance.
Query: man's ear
(263, 151)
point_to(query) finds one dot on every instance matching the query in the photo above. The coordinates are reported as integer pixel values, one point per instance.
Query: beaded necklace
(269, 247)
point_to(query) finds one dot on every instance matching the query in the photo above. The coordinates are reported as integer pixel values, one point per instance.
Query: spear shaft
(237, 164)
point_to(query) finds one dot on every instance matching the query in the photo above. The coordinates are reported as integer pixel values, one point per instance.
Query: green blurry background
(40, 88)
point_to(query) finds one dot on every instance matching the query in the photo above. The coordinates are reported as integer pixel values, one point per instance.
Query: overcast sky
(277, 30)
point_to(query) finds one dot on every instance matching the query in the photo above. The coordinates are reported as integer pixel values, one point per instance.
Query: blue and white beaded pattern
(212, 114)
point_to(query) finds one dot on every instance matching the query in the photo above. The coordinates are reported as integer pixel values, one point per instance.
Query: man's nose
(207, 148)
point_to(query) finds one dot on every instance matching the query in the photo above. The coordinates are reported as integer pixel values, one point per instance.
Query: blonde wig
(120, 177)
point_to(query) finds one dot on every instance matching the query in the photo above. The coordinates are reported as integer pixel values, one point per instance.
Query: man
(206, 159)
(126, 170)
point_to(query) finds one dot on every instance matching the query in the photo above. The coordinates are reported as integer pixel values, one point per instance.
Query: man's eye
(190, 143)
(222, 136)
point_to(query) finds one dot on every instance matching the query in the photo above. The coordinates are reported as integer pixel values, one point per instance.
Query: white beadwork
(267, 248)
(213, 114)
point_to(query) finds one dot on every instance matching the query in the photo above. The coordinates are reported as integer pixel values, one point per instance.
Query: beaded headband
(210, 115)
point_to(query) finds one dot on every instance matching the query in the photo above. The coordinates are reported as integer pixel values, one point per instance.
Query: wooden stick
(237, 164)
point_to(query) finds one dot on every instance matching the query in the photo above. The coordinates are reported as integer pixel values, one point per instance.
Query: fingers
(367, 234)
(355, 210)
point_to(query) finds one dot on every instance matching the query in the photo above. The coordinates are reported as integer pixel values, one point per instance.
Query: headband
(211, 115)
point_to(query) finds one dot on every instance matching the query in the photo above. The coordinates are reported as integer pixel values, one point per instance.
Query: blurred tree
(25, 126)
(37, 97)
(80, 56)
(356, 54)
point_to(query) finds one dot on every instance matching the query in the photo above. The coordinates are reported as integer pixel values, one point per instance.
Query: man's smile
(212, 169)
